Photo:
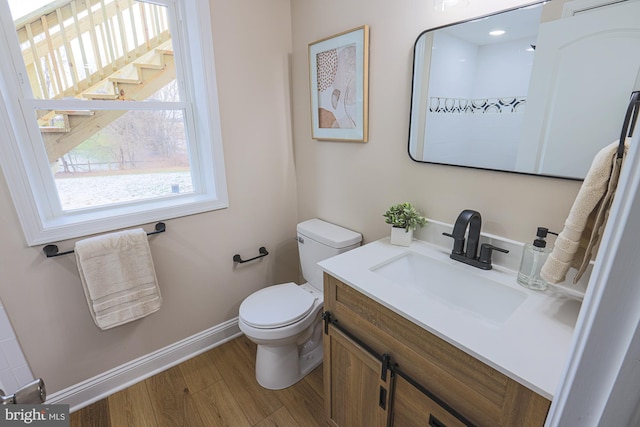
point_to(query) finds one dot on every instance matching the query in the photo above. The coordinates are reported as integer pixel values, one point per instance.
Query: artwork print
(338, 67)
(337, 87)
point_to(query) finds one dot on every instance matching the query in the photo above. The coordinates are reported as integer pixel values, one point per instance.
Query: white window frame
(24, 161)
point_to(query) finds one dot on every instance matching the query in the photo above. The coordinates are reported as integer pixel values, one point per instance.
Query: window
(106, 126)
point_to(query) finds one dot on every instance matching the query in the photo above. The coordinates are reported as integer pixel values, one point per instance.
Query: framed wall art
(339, 78)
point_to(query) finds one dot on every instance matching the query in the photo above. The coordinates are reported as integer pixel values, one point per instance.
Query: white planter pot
(401, 237)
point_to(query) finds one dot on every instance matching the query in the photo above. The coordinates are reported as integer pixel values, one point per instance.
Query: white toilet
(285, 320)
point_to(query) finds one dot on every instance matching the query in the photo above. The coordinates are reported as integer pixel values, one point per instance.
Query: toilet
(285, 320)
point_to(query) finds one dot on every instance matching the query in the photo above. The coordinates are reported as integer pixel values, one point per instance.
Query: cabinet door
(355, 393)
(412, 408)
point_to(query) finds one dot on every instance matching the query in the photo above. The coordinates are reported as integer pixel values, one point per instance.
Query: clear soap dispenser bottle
(533, 258)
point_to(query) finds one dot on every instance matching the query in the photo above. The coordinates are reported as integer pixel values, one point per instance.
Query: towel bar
(52, 250)
(263, 253)
(629, 121)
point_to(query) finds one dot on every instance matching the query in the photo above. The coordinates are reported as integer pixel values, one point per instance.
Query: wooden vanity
(381, 369)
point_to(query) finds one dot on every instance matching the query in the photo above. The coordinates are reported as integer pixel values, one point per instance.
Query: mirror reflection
(537, 90)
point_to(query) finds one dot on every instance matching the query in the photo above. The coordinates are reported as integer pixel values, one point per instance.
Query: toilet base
(282, 366)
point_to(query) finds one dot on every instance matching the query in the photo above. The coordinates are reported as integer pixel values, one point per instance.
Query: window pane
(137, 155)
(113, 49)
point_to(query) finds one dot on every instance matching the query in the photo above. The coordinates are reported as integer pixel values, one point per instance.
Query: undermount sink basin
(454, 286)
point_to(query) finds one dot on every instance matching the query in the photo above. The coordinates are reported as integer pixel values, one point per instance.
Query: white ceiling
(517, 23)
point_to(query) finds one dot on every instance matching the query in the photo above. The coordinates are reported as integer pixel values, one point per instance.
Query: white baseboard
(123, 376)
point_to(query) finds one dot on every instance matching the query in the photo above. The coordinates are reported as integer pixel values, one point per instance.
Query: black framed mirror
(537, 90)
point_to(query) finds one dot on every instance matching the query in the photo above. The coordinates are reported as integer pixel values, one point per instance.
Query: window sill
(84, 223)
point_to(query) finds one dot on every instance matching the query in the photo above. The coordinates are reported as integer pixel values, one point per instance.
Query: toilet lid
(276, 306)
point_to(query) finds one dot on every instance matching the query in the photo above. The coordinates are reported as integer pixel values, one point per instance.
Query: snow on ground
(89, 191)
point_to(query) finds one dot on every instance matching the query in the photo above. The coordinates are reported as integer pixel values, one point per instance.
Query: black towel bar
(630, 119)
(263, 253)
(52, 250)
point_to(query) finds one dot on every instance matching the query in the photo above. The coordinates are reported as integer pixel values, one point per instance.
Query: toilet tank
(319, 240)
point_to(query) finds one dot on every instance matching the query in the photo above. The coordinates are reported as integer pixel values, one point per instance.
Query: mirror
(535, 90)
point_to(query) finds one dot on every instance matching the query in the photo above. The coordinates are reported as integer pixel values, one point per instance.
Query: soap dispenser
(533, 258)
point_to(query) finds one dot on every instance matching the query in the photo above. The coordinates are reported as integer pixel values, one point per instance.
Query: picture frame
(339, 86)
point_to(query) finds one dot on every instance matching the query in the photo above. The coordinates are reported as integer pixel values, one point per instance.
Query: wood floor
(217, 388)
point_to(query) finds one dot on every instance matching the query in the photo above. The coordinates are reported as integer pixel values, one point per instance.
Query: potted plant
(404, 218)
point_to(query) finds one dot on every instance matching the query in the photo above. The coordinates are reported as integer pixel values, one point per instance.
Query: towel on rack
(118, 277)
(584, 226)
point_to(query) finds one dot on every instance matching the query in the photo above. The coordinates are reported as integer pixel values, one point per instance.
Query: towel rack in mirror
(52, 250)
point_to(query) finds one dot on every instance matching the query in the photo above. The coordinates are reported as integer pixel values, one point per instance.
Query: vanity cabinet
(429, 382)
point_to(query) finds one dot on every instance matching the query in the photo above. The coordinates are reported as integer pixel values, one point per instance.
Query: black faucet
(470, 219)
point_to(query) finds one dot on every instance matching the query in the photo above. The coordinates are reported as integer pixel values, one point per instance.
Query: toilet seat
(277, 306)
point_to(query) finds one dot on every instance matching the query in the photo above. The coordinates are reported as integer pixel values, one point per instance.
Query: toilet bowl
(284, 320)
(289, 321)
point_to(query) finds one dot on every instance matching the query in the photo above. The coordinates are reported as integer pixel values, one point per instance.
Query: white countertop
(530, 347)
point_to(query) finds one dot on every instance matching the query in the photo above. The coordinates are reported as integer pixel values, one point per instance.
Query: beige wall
(200, 286)
(352, 184)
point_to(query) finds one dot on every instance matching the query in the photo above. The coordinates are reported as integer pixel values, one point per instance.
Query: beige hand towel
(118, 277)
(584, 226)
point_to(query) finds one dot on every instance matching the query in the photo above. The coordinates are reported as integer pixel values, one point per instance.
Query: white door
(580, 100)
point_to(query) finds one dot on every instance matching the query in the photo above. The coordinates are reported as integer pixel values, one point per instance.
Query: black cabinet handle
(382, 401)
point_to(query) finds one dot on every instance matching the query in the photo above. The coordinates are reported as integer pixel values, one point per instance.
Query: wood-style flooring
(216, 388)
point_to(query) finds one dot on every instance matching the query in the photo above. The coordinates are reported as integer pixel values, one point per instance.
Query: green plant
(404, 215)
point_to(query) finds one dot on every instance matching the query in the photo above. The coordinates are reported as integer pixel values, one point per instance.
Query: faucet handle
(485, 253)
(458, 243)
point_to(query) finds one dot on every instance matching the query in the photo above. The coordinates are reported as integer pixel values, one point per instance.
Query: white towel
(584, 226)
(118, 277)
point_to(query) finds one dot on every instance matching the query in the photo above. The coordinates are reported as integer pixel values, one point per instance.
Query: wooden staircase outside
(134, 82)
(55, 53)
